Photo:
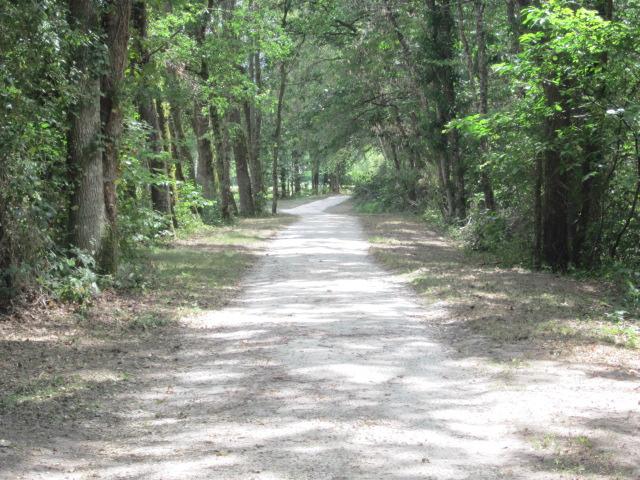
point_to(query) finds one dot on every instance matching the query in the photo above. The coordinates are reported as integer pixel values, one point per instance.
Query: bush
(499, 233)
(71, 277)
(387, 190)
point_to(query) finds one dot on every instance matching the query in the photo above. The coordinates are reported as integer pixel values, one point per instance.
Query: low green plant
(71, 276)
(148, 321)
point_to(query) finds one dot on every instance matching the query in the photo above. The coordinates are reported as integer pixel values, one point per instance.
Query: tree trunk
(204, 168)
(537, 214)
(221, 137)
(514, 22)
(241, 156)
(179, 150)
(115, 22)
(253, 120)
(160, 198)
(277, 136)
(315, 175)
(283, 182)
(297, 180)
(483, 98)
(594, 154)
(555, 232)
(148, 113)
(167, 145)
(87, 215)
(446, 145)
(335, 182)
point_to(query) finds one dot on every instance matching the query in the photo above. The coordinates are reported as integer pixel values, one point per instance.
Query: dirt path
(326, 368)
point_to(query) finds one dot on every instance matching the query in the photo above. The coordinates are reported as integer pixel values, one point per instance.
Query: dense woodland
(515, 123)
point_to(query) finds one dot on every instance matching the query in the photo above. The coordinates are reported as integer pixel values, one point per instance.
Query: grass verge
(57, 362)
(513, 309)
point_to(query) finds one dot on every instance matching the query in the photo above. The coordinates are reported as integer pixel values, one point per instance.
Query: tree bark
(537, 214)
(446, 145)
(483, 98)
(179, 150)
(87, 215)
(253, 121)
(167, 145)
(315, 175)
(204, 169)
(297, 179)
(283, 182)
(221, 137)
(241, 156)
(555, 231)
(148, 113)
(277, 135)
(115, 21)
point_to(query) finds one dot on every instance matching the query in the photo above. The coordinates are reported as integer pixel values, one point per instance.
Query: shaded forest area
(513, 123)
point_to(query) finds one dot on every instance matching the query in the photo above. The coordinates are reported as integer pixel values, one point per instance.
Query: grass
(576, 455)
(58, 363)
(41, 390)
(542, 313)
(203, 271)
(621, 335)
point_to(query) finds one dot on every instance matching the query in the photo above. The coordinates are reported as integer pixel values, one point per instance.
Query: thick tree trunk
(173, 147)
(483, 98)
(283, 183)
(514, 22)
(590, 189)
(184, 153)
(204, 169)
(537, 214)
(446, 145)
(255, 167)
(115, 22)
(87, 215)
(555, 231)
(160, 198)
(335, 182)
(241, 156)
(221, 136)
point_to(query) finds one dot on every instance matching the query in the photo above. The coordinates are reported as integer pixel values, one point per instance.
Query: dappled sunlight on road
(325, 368)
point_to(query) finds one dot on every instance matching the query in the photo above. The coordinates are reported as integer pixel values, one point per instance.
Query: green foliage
(33, 98)
(148, 321)
(501, 234)
(379, 187)
(70, 276)
(388, 100)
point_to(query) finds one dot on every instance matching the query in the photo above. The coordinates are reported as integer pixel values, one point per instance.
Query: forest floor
(356, 347)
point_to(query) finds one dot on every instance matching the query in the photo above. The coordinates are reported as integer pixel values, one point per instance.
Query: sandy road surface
(326, 368)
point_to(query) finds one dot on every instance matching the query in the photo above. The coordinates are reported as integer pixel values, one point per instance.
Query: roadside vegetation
(503, 310)
(59, 360)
